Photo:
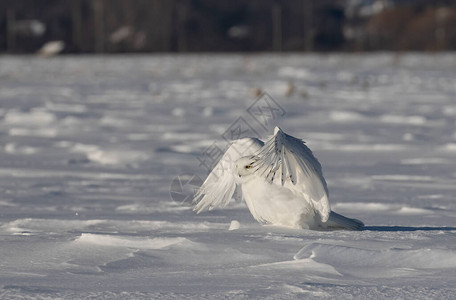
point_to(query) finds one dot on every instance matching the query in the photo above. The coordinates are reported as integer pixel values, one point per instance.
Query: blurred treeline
(113, 26)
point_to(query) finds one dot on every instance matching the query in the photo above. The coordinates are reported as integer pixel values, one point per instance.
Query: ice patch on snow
(48, 226)
(449, 110)
(401, 177)
(15, 149)
(451, 147)
(7, 203)
(178, 112)
(293, 289)
(405, 210)
(128, 242)
(183, 148)
(115, 121)
(357, 207)
(362, 206)
(292, 72)
(29, 119)
(37, 122)
(406, 120)
(109, 157)
(424, 160)
(34, 173)
(345, 116)
(53, 226)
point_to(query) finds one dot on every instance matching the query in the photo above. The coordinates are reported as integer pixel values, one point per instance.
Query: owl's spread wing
(287, 159)
(219, 186)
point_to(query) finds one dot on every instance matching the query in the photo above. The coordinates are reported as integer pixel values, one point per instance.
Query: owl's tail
(338, 221)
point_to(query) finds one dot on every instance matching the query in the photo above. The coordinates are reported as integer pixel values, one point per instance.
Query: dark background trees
(116, 26)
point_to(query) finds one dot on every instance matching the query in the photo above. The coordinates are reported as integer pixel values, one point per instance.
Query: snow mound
(349, 258)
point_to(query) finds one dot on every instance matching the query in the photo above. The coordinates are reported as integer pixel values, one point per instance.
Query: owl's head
(245, 168)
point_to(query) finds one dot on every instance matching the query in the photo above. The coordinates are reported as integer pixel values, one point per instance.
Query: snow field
(90, 146)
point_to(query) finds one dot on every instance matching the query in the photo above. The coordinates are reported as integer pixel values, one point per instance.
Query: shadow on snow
(407, 228)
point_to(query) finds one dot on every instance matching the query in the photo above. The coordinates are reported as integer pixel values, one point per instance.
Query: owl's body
(280, 180)
(278, 205)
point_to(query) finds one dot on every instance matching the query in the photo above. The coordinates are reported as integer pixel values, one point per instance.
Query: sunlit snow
(90, 147)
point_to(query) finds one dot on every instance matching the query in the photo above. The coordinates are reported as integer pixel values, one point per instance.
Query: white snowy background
(89, 147)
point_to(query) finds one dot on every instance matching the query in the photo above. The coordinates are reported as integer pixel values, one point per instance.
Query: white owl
(280, 180)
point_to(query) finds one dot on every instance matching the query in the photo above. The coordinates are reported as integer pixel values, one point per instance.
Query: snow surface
(90, 146)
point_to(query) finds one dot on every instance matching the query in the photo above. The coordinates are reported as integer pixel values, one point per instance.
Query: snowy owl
(280, 181)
